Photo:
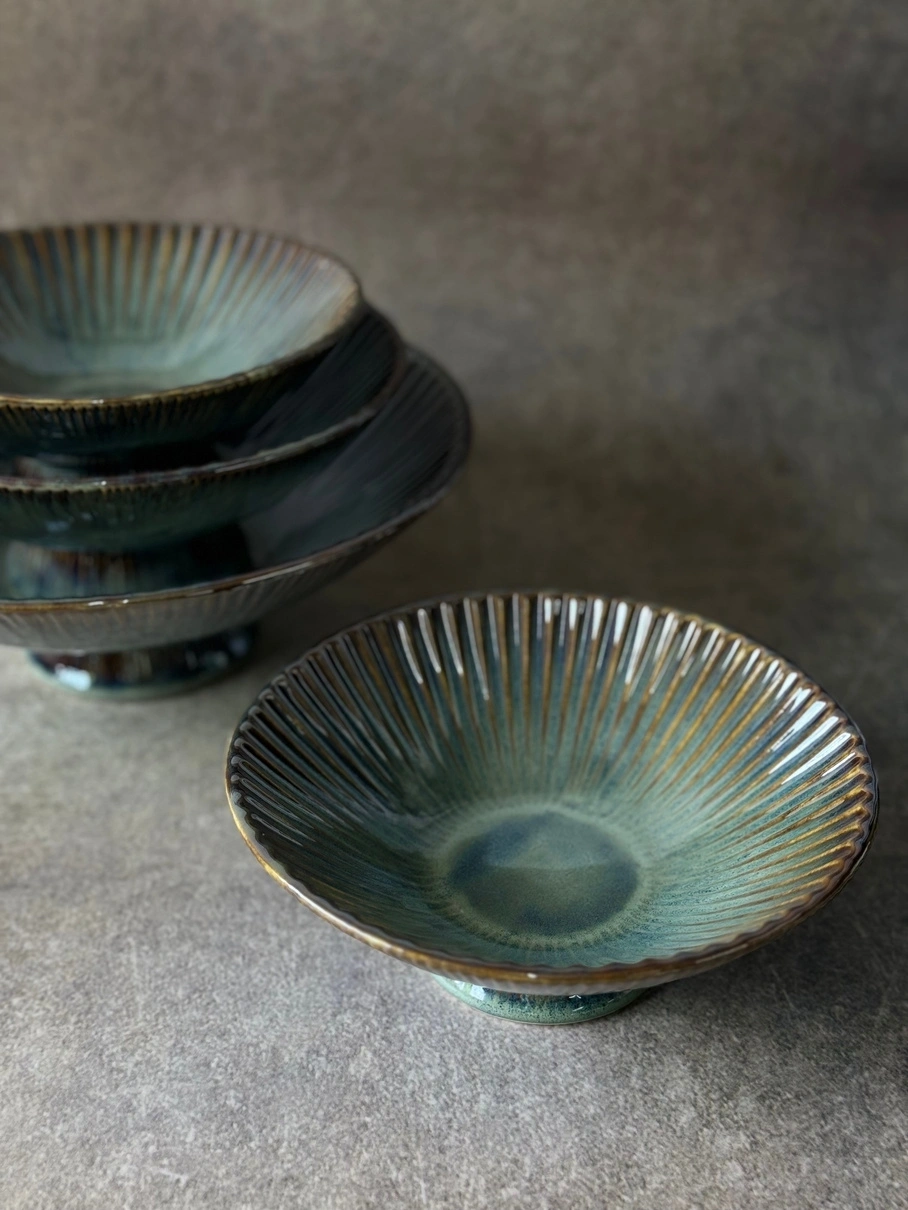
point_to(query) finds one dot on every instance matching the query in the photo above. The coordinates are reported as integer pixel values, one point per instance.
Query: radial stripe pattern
(117, 309)
(295, 439)
(116, 337)
(576, 791)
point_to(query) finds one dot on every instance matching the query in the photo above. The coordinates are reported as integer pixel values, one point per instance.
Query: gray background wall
(663, 246)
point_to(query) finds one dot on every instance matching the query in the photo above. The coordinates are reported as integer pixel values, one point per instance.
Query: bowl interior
(552, 782)
(112, 310)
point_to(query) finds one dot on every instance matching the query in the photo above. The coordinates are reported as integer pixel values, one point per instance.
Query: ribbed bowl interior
(111, 310)
(552, 782)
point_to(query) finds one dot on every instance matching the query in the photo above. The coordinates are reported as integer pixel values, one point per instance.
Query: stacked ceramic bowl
(197, 425)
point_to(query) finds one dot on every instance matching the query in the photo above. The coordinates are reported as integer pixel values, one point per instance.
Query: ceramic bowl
(552, 802)
(295, 439)
(95, 628)
(119, 336)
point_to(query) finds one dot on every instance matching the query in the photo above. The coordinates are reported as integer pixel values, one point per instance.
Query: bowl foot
(148, 671)
(538, 1010)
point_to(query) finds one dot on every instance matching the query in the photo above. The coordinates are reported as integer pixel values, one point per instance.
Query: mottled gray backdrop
(663, 246)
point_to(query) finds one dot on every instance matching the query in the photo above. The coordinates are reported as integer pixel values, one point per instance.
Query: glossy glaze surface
(294, 440)
(33, 573)
(538, 1010)
(149, 672)
(118, 335)
(392, 472)
(550, 793)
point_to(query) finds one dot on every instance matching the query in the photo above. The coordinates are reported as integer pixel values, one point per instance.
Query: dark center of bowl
(536, 877)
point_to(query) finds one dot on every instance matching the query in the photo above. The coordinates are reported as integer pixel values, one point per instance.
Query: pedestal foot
(538, 1010)
(149, 671)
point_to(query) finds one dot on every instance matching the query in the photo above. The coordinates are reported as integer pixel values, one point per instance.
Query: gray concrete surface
(663, 245)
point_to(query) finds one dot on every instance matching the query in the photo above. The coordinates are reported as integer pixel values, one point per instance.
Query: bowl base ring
(538, 1010)
(148, 671)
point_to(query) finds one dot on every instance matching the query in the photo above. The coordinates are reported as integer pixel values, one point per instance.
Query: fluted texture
(293, 440)
(553, 784)
(114, 335)
(121, 309)
(392, 472)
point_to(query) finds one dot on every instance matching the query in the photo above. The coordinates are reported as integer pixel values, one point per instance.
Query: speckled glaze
(550, 795)
(392, 472)
(295, 439)
(116, 336)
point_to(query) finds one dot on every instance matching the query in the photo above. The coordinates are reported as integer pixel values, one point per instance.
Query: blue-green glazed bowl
(117, 337)
(552, 802)
(293, 441)
(100, 624)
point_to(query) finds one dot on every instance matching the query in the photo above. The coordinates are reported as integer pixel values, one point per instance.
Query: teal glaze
(308, 425)
(119, 336)
(538, 1010)
(388, 475)
(535, 875)
(547, 795)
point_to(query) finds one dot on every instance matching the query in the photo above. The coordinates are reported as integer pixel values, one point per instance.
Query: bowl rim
(349, 312)
(218, 468)
(434, 491)
(539, 978)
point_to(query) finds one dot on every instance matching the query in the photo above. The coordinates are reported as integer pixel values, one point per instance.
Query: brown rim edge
(227, 467)
(576, 980)
(209, 386)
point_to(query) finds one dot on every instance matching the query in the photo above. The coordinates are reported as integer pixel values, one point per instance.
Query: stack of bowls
(197, 424)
